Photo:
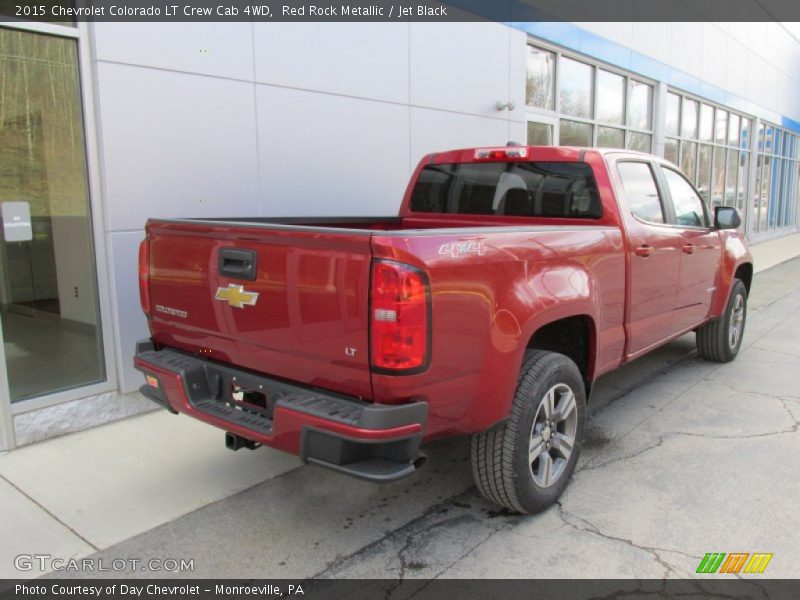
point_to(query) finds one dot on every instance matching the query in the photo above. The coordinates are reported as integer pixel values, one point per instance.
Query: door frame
(6, 424)
(81, 34)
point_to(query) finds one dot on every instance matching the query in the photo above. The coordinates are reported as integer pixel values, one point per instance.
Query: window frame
(533, 113)
(667, 193)
(665, 209)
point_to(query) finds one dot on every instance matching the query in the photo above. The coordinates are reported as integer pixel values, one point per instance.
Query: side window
(688, 205)
(641, 191)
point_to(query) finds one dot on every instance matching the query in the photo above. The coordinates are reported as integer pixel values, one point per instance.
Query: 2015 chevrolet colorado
(511, 279)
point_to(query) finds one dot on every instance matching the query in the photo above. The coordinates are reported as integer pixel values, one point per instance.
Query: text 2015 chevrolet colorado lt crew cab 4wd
(511, 279)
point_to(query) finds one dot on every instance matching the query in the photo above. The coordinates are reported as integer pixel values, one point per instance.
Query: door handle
(237, 264)
(644, 251)
(688, 249)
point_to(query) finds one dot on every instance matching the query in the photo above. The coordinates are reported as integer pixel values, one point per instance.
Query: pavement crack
(590, 527)
(339, 560)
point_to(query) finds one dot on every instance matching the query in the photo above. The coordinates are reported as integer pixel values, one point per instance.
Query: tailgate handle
(237, 263)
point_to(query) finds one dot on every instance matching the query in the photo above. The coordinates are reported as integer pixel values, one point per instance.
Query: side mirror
(726, 217)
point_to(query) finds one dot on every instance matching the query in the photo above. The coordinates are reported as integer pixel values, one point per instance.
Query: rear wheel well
(572, 337)
(745, 273)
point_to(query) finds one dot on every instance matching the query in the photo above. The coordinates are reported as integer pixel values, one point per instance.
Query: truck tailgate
(287, 301)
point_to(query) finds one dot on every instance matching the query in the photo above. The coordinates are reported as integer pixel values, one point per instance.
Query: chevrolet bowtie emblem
(236, 296)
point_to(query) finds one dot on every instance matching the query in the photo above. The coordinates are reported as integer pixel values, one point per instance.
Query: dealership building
(103, 125)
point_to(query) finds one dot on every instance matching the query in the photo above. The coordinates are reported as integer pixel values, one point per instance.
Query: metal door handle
(644, 251)
(688, 248)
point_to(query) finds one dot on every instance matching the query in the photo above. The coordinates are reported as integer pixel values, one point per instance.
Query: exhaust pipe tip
(420, 461)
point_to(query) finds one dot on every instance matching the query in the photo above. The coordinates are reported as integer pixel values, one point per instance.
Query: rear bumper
(371, 441)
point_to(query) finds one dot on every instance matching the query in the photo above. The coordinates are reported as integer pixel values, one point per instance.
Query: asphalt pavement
(682, 457)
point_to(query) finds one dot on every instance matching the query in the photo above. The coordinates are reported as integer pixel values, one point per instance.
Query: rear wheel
(720, 340)
(525, 463)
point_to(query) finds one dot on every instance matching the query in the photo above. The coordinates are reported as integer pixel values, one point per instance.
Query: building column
(659, 118)
(751, 179)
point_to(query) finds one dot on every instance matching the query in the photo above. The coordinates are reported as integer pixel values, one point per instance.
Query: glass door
(48, 291)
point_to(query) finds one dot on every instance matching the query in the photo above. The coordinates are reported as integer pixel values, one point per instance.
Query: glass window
(745, 137)
(688, 205)
(706, 123)
(732, 172)
(671, 150)
(640, 104)
(704, 171)
(673, 113)
(540, 82)
(610, 137)
(610, 97)
(527, 189)
(718, 178)
(641, 191)
(733, 130)
(575, 88)
(744, 177)
(573, 133)
(689, 118)
(48, 292)
(689, 159)
(639, 141)
(721, 126)
(540, 134)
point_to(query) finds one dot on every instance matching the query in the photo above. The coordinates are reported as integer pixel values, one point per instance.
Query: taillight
(144, 275)
(399, 317)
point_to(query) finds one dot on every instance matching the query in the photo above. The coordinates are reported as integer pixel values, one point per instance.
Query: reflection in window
(540, 83)
(610, 97)
(731, 172)
(703, 180)
(706, 123)
(689, 118)
(575, 93)
(720, 126)
(525, 189)
(640, 104)
(688, 159)
(573, 133)
(48, 301)
(641, 191)
(672, 113)
(718, 178)
(688, 206)
(671, 150)
(744, 178)
(610, 137)
(639, 141)
(733, 130)
(539, 134)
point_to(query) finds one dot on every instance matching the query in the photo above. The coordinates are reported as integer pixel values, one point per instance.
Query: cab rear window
(525, 189)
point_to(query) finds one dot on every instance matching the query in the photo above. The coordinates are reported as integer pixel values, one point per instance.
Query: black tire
(501, 463)
(715, 339)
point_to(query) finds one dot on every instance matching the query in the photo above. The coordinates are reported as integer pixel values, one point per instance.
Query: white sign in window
(16, 221)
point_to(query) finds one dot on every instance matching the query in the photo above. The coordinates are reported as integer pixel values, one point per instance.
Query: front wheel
(525, 463)
(720, 340)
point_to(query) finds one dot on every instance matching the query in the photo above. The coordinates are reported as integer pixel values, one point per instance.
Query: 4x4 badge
(236, 296)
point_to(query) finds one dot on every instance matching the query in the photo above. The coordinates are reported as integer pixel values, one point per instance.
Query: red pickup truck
(511, 279)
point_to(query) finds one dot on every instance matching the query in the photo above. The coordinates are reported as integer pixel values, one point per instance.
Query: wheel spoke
(545, 471)
(563, 444)
(549, 404)
(535, 448)
(565, 406)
